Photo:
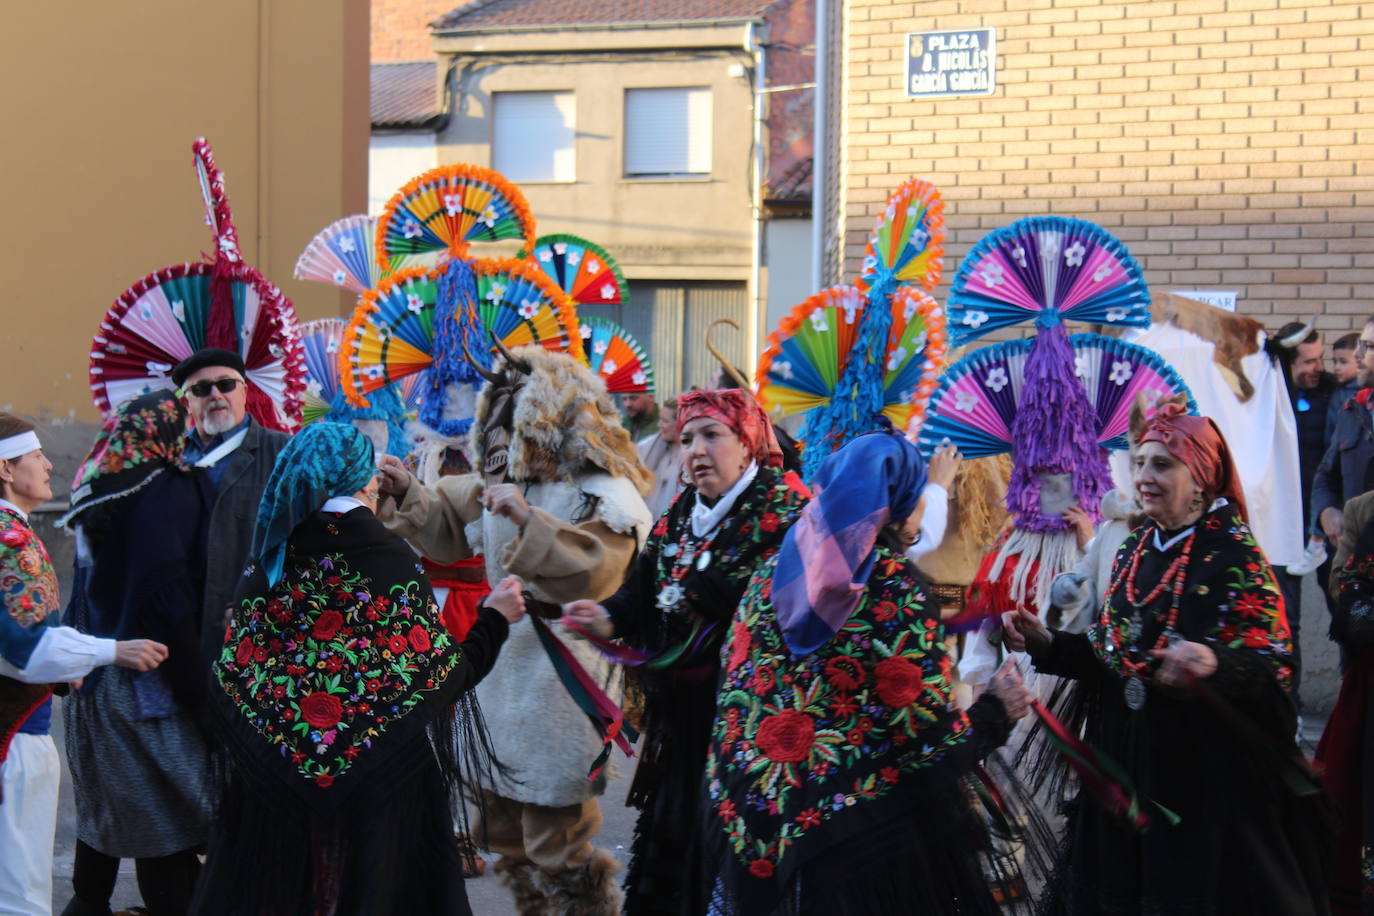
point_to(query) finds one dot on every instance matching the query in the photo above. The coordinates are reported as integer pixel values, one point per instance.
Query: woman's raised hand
(1022, 631)
(944, 464)
(507, 598)
(588, 616)
(395, 478)
(139, 654)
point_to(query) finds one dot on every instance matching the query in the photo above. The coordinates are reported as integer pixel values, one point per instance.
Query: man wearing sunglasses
(238, 455)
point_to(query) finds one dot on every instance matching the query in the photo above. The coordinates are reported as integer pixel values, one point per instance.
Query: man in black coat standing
(238, 455)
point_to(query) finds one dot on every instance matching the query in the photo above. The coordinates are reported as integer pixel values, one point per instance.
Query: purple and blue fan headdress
(1055, 402)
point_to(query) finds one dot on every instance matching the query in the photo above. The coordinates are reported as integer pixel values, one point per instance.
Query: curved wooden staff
(730, 370)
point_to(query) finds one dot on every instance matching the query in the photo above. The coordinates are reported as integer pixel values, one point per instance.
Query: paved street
(488, 897)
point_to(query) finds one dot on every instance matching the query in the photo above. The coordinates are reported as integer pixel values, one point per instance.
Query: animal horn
(724, 364)
(1297, 337)
(481, 370)
(519, 365)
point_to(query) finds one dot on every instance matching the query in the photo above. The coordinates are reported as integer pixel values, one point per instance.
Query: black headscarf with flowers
(144, 437)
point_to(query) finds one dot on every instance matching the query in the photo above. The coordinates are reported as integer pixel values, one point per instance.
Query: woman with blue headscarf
(335, 696)
(834, 775)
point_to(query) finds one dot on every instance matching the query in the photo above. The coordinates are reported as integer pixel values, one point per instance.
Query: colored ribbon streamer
(1102, 776)
(635, 658)
(605, 715)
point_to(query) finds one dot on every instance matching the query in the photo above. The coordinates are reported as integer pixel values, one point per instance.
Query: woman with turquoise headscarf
(836, 778)
(335, 697)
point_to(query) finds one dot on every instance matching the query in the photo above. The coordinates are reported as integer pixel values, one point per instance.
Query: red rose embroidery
(769, 521)
(321, 710)
(761, 868)
(845, 673)
(899, 681)
(884, 611)
(739, 645)
(786, 737)
(763, 681)
(324, 780)
(260, 654)
(419, 639)
(327, 626)
(244, 654)
(397, 644)
(15, 538)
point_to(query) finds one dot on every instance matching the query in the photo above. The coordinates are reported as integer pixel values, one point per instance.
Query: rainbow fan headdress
(851, 354)
(221, 302)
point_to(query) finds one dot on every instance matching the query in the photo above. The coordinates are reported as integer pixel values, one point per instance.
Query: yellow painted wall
(102, 103)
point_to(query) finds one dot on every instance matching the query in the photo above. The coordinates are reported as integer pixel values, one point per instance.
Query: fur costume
(582, 478)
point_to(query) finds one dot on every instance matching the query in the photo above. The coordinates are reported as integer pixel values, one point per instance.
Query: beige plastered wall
(1226, 142)
(102, 103)
(693, 229)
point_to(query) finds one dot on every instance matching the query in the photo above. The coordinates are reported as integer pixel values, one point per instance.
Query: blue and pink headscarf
(828, 555)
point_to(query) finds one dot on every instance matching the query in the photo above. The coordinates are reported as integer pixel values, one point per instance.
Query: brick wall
(1226, 142)
(400, 28)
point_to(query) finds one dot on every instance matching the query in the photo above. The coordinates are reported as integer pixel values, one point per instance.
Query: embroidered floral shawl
(339, 664)
(807, 751)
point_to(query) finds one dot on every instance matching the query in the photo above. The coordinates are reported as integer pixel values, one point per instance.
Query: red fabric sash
(459, 612)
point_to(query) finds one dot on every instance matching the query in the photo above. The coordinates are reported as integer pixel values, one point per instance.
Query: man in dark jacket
(1347, 468)
(238, 455)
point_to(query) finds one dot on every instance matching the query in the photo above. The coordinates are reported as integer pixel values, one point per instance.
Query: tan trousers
(554, 839)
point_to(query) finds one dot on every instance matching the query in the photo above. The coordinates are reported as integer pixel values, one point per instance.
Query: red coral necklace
(1134, 662)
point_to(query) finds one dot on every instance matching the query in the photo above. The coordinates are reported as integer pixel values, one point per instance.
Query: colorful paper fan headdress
(445, 210)
(321, 341)
(852, 354)
(1056, 402)
(173, 312)
(343, 254)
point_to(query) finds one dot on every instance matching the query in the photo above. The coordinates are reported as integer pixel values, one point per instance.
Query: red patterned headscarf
(1198, 443)
(738, 410)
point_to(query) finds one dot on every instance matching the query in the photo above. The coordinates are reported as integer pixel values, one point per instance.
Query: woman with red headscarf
(1182, 681)
(671, 616)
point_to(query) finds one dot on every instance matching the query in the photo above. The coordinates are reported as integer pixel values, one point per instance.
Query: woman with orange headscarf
(1182, 681)
(671, 616)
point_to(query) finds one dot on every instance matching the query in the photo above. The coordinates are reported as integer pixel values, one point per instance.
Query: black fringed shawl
(335, 692)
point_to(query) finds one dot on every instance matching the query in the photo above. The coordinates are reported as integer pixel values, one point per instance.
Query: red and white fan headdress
(220, 302)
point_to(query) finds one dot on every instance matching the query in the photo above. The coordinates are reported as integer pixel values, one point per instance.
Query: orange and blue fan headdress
(441, 318)
(219, 302)
(852, 354)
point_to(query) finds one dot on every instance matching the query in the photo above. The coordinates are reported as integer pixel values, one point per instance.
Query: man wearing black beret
(238, 455)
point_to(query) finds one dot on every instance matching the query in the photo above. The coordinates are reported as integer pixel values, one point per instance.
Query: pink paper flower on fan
(965, 401)
(608, 291)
